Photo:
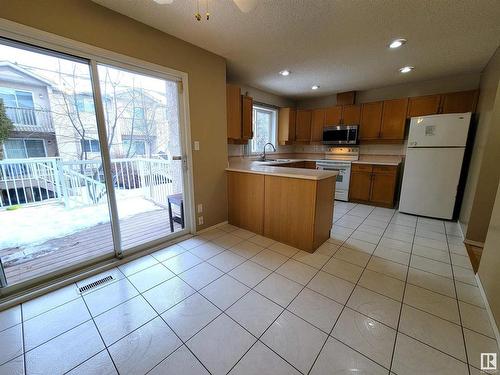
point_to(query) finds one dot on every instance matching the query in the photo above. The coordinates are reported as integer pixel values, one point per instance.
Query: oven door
(342, 182)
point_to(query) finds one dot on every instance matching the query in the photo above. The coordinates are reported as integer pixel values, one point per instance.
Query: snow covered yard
(28, 227)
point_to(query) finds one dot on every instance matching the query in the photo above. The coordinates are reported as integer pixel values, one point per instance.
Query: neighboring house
(26, 97)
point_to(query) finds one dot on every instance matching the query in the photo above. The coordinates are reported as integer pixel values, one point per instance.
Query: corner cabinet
(373, 184)
(239, 115)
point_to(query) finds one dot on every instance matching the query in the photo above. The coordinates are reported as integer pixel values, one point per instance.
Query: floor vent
(96, 283)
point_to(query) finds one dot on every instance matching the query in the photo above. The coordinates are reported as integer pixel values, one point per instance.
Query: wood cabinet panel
(361, 167)
(374, 184)
(351, 114)
(394, 119)
(383, 187)
(360, 186)
(288, 217)
(246, 201)
(317, 124)
(233, 108)
(333, 115)
(246, 117)
(286, 126)
(303, 125)
(423, 105)
(371, 119)
(459, 102)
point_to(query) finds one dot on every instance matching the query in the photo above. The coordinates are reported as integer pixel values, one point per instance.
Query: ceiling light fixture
(406, 69)
(315, 87)
(396, 43)
(285, 73)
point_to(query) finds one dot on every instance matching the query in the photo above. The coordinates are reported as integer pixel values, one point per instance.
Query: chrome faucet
(263, 155)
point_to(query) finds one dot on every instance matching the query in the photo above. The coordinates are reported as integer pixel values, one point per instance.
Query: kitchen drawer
(385, 169)
(361, 167)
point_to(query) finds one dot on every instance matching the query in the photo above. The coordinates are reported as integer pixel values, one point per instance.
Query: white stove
(339, 159)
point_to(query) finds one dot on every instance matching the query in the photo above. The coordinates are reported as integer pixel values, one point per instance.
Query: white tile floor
(388, 293)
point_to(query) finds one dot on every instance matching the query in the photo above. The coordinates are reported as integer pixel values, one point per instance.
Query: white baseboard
(488, 310)
(212, 227)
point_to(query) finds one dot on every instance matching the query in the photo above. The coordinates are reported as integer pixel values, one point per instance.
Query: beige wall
(447, 84)
(87, 22)
(484, 170)
(490, 261)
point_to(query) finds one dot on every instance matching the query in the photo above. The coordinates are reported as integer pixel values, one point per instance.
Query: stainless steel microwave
(340, 135)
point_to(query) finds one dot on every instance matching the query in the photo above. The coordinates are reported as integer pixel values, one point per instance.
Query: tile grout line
(458, 307)
(102, 339)
(24, 345)
(403, 298)
(277, 317)
(349, 297)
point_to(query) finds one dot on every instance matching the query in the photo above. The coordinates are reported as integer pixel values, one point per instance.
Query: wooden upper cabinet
(394, 119)
(351, 114)
(303, 125)
(246, 117)
(233, 108)
(317, 124)
(286, 126)
(333, 115)
(459, 102)
(370, 121)
(423, 105)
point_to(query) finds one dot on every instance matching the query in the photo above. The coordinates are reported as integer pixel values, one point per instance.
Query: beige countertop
(272, 168)
(379, 160)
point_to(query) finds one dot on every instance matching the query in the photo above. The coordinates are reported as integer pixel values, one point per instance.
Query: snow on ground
(28, 227)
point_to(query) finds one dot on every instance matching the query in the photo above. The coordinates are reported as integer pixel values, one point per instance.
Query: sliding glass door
(143, 136)
(54, 202)
(90, 165)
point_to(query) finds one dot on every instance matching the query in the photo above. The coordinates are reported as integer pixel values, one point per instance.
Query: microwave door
(335, 136)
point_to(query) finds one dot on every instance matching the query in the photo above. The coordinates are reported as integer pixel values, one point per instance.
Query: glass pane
(35, 148)
(53, 203)
(142, 122)
(14, 149)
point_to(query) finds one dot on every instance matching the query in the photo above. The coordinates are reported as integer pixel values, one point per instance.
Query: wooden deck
(87, 244)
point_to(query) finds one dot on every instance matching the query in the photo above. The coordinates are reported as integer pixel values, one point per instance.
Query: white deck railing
(81, 182)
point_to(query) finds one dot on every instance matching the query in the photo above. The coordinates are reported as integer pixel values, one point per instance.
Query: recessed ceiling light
(285, 73)
(315, 87)
(406, 69)
(396, 43)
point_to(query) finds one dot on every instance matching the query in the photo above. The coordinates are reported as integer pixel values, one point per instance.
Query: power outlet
(200, 208)
(197, 145)
(200, 220)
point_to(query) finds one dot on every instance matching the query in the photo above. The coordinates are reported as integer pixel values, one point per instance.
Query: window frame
(90, 142)
(15, 91)
(274, 126)
(132, 141)
(25, 148)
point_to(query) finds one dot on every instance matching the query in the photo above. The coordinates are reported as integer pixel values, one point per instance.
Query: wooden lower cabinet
(360, 186)
(298, 212)
(294, 211)
(373, 184)
(246, 201)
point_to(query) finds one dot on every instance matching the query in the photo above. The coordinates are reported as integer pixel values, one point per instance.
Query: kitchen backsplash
(372, 149)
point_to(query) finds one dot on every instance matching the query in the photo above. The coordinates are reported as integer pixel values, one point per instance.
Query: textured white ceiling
(339, 44)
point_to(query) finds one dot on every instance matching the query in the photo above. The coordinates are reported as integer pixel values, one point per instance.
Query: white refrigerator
(433, 164)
